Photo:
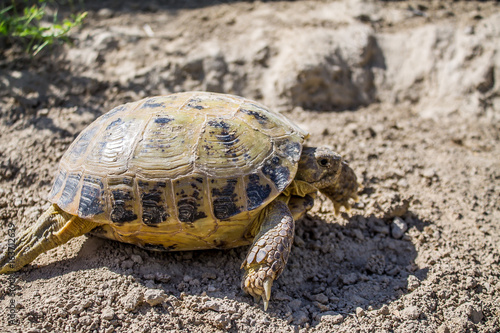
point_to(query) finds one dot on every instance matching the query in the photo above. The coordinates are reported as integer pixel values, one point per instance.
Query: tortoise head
(329, 173)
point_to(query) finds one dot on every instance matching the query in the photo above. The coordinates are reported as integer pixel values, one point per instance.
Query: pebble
(410, 312)
(127, 264)
(85, 320)
(107, 314)
(222, 321)
(384, 310)
(398, 227)
(154, 296)
(295, 304)
(428, 173)
(360, 312)
(358, 234)
(413, 282)
(331, 317)
(136, 258)
(322, 298)
(300, 317)
(350, 278)
(132, 300)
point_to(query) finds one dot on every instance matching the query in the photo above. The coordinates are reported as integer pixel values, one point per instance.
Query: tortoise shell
(179, 172)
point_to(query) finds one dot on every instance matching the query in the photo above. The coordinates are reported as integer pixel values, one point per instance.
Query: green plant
(33, 27)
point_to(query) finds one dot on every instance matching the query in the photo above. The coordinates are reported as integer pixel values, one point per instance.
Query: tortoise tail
(55, 227)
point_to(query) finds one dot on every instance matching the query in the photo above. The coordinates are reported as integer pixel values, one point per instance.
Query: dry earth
(408, 92)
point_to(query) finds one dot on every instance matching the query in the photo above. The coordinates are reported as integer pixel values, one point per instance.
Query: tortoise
(189, 171)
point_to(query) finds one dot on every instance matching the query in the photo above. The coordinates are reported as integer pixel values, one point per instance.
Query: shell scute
(191, 199)
(92, 195)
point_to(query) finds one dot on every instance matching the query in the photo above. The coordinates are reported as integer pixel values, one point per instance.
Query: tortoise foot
(269, 252)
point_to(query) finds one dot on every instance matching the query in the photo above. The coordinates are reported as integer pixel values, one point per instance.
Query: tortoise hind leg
(55, 227)
(269, 252)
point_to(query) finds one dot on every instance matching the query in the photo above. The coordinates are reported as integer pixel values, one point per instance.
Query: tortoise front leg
(300, 205)
(55, 227)
(269, 252)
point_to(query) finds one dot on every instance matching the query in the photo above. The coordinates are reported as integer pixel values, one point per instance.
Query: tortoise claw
(267, 292)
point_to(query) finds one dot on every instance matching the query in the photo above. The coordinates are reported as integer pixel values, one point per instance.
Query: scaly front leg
(269, 252)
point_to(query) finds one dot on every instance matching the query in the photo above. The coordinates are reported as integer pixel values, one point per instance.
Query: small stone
(42, 112)
(384, 310)
(331, 317)
(322, 298)
(360, 312)
(358, 234)
(413, 282)
(76, 310)
(398, 227)
(295, 304)
(136, 258)
(428, 173)
(470, 310)
(222, 321)
(381, 229)
(410, 312)
(162, 277)
(127, 264)
(107, 314)
(350, 278)
(85, 320)
(300, 317)
(154, 296)
(211, 305)
(132, 300)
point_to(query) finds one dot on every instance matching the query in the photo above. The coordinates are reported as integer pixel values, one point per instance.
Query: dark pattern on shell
(219, 124)
(119, 212)
(278, 173)
(256, 192)
(224, 200)
(153, 210)
(289, 149)
(163, 120)
(152, 104)
(261, 118)
(188, 210)
(189, 199)
(114, 123)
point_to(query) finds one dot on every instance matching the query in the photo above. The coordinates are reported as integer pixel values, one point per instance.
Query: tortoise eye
(324, 162)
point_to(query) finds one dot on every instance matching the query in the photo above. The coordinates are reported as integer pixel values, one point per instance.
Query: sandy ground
(408, 92)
